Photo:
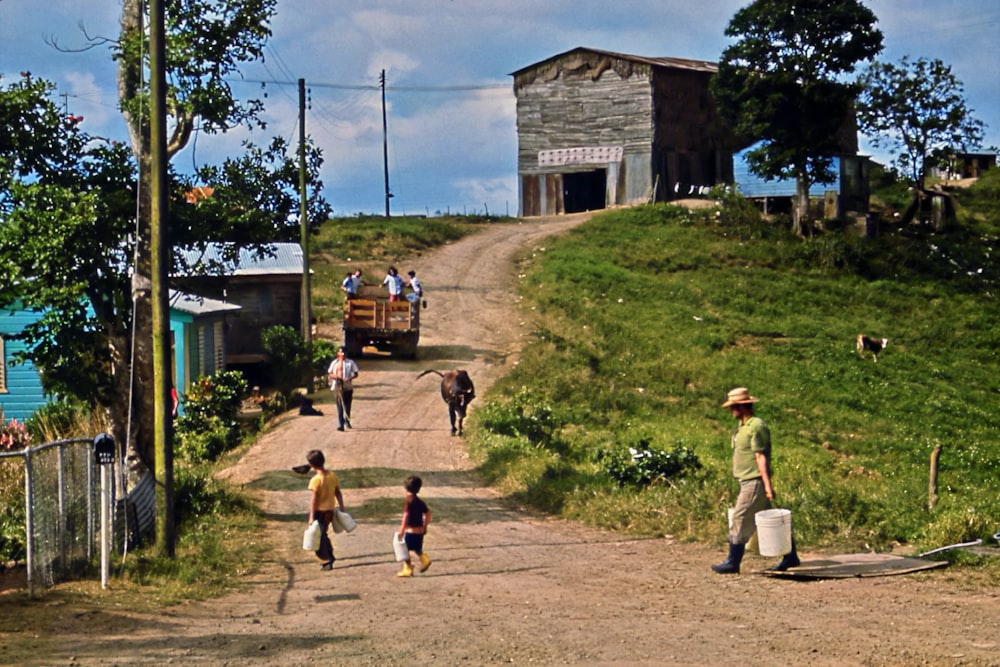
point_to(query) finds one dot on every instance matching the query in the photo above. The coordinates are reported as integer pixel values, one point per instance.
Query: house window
(3, 367)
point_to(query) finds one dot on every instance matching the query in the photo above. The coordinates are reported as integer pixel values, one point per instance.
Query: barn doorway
(584, 190)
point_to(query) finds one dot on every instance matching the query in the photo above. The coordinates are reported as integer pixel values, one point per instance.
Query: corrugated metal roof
(197, 305)
(667, 62)
(283, 258)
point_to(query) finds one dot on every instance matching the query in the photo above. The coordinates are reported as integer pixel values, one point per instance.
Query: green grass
(646, 317)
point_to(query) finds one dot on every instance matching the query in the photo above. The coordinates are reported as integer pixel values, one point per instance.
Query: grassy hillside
(646, 317)
(372, 244)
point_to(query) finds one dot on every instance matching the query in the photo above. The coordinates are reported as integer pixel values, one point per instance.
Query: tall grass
(646, 317)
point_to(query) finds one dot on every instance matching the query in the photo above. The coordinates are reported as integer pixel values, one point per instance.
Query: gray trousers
(751, 500)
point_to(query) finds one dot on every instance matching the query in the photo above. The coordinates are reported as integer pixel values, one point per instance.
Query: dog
(873, 345)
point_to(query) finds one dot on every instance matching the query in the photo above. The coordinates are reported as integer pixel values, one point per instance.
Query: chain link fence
(62, 509)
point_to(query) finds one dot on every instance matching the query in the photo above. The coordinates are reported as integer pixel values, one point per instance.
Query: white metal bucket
(774, 532)
(399, 547)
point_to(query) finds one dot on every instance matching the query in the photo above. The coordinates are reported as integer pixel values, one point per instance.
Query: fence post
(29, 522)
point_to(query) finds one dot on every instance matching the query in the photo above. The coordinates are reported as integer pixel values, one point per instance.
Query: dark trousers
(344, 399)
(325, 551)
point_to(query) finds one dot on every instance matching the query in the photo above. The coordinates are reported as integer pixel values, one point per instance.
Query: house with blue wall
(198, 340)
(197, 330)
(849, 192)
(20, 385)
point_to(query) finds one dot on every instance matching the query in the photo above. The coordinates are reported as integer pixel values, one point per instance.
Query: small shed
(21, 391)
(267, 289)
(963, 165)
(598, 128)
(198, 341)
(848, 193)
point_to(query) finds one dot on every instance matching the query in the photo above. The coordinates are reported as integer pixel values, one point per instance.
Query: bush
(642, 466)
(323, 353)
(13, 437)
(210, 424)
(523, 416)
(289, 357)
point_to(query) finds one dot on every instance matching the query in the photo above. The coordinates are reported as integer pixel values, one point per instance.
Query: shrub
(289, 357)
(523, 416)
(323, 352)
(643, 466)
(210, 424)
(13, 437)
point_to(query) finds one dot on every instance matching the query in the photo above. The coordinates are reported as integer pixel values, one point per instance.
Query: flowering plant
(13, 435)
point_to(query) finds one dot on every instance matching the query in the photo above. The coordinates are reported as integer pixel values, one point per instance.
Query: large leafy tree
(206, 41)
(917, 110)
(783, 82)
(68, 231)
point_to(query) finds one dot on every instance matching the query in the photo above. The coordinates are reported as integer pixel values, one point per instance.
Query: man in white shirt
(341, 374)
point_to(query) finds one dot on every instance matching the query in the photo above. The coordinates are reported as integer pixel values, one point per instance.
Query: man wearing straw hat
(752, 467)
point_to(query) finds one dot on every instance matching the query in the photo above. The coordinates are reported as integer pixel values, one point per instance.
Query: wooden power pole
(306, 321)
(166, 539)
(385, 146)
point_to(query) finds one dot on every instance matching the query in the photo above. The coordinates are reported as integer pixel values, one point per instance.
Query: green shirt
(750, 437)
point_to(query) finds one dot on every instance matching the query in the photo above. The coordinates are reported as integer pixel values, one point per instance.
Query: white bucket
(399, 547)
(774, 532)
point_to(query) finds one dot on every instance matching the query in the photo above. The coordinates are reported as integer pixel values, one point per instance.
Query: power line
(375, 87)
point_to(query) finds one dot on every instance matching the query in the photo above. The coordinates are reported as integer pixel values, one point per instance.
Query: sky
(450, 107)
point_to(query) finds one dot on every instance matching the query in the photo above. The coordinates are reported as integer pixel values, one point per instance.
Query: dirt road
(504, 588)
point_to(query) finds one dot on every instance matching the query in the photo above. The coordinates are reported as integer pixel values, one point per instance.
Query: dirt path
(504, 587)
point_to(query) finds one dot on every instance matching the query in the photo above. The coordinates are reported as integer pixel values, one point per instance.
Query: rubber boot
(407, 570)
(791, 559)
(732, 563)
(425, 562)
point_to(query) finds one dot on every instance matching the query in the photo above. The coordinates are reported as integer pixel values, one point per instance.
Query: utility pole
(160, 260)
(385, 146)
(306, 322)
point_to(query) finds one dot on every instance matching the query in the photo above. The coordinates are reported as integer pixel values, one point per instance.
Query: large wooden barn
(598, 128)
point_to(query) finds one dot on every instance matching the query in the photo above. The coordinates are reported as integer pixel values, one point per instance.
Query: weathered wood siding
(657, 111)
(691, 147)
(585, 99)
(20, 386)
(265, 300)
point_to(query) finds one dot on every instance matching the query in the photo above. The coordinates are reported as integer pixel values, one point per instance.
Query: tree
(67, 233)
(917, 110)
(782, 83)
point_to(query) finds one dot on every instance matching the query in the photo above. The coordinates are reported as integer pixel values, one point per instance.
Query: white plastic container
(399, 548)
(310, 539)
(344, 520)
(774, 532)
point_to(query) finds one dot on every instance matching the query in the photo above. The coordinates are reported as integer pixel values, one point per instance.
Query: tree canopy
(784, 83)
(917, 110)
(68, 232)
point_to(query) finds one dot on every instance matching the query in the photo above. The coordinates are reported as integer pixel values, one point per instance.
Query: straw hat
(738, 396)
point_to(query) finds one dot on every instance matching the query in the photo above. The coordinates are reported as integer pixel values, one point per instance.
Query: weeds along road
(505, 587)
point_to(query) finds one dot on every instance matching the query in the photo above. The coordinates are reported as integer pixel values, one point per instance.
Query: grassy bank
(646, 317)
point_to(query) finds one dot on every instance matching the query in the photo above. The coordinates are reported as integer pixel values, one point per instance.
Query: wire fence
(60, 501)
(62, 509)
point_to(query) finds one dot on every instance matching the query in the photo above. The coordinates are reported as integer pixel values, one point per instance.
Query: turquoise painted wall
(21, 391)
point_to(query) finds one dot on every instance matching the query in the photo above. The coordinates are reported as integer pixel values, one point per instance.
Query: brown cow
(457, 391)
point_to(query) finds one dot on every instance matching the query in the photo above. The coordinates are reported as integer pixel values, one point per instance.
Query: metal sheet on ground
(849, 566)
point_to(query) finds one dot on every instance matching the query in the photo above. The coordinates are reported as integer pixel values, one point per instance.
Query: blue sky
(449, 150)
